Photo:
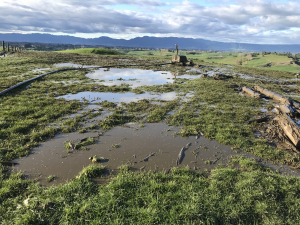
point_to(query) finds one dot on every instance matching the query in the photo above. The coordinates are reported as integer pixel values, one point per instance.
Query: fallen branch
(289, 127)
(274, 95)
(250, 92)
(288, 109)
(146, 159)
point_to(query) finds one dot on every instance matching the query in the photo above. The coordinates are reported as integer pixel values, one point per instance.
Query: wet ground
(131, 145)
(135, 77)
(94, 97)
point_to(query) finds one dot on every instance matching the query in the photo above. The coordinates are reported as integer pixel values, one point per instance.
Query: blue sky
(255, 21)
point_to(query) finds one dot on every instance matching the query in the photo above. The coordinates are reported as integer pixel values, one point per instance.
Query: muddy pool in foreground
(135, 143)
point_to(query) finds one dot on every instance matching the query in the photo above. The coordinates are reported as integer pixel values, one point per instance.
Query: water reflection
(136, 77)
(118, 97)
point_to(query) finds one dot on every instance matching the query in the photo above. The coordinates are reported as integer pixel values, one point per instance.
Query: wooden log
(287, 109)
(274, 95)
(289, 128)
(290, 145)
(259, 120)
(250, 92)
(296, 105)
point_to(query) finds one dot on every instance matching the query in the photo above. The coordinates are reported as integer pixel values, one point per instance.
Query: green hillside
(99, 51)
(277, 62)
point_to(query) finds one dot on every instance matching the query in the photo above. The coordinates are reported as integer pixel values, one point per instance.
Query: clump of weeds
(107, 104)
(115, 145)
(88, 141)
(91, 171)
(50, 178)
(83, 130)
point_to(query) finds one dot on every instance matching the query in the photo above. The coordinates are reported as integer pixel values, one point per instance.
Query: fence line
(14, 48)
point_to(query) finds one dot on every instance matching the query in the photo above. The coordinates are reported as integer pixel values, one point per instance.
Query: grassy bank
(249, 195)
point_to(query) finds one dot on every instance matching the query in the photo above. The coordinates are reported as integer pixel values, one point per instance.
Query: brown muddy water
(135, 144)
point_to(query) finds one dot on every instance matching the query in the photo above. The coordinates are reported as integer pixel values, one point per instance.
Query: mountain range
(149, 42)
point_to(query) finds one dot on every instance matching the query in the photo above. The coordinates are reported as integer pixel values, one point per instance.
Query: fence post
(3, 46)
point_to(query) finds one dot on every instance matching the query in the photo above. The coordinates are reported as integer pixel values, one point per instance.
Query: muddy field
(138, 112)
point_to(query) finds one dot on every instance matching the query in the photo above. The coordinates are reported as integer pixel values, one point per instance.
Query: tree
(297, 56)
(239, 62)
(27, 45)
(254, 54)
(249, 57)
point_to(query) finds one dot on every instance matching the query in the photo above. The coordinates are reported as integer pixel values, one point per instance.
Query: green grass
(249, 195)
(226, 58)
(99, 51)
(50, 178)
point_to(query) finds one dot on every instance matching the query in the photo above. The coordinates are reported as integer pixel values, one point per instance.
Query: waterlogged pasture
(136, 115)
(137, 77)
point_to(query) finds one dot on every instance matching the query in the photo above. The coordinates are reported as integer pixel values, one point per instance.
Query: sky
(243, 21)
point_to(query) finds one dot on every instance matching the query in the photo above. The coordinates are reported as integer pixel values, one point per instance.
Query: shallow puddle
(135, 77)
(40, 70)
(129, 145)
(127, 97)
(263, 110)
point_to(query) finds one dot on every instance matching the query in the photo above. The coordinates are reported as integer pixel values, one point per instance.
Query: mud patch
(147, 147)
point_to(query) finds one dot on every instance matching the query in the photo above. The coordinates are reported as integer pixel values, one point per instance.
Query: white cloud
(256, 21)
